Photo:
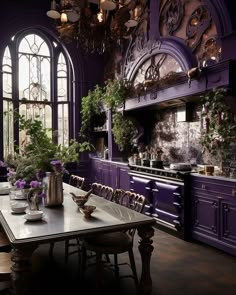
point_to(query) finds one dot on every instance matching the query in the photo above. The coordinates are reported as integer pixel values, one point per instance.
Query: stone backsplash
(180, 140)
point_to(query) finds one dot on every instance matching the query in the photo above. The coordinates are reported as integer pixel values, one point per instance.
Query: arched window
(36, 81)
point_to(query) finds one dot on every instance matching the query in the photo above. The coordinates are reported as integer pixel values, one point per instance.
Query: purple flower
(57, 166)
(35, 184)
(42, 195)
(11, 173)
(40, 174)
(56, 163)
(20, 183)
(2, 164)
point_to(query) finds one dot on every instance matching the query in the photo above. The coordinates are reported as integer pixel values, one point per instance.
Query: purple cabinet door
(168, 204)
(143, 187)
(123, 178)
(205, 214)
(95, 171)
(106, 174)
(228, 225)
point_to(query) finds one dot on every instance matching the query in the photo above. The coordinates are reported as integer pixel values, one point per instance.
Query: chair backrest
(96, 187)
(118, 193)
(76, 181)
(107, 192)
(135, 202)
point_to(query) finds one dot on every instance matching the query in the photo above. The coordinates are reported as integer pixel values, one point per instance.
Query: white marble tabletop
(67, 220)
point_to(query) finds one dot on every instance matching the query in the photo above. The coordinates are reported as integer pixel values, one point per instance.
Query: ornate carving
(138, 48)
(145, 249)
(172, 15)
(21, 270)
(198, 23)
(210, 52)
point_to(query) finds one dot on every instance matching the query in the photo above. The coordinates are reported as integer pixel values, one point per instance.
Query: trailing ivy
(124, 131)
(220, 126)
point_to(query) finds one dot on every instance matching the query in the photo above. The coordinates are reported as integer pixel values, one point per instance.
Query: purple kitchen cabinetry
(168, 203)
(95, 170)
(144, 187)
(166, 196)
(214, 212)
(110, 173)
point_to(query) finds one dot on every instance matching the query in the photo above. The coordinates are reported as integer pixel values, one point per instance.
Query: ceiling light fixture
(96, 24)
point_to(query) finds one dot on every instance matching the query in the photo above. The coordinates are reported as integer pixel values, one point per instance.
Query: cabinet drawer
(214, 187)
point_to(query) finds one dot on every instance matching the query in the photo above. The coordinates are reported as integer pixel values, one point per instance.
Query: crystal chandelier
(95, 24)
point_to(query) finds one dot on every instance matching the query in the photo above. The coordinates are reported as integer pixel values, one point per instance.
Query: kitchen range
(167, 192)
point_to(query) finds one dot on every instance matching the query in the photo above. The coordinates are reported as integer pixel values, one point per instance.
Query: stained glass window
(34, 87)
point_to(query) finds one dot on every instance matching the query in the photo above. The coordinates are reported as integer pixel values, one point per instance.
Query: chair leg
(116, 266)
(66, 250)
(133, 266)
(51, 250)
(98, 271)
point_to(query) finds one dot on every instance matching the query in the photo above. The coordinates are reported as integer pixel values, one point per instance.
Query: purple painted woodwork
(214, 212)
(217, 75)
(168, 203)
(109, 173)
(144, 187)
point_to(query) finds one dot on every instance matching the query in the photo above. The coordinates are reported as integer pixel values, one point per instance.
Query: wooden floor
(178, 267)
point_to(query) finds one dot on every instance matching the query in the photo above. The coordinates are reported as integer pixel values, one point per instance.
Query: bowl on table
(87, 210)
(18, 207)
(34, 215)
(80, 200)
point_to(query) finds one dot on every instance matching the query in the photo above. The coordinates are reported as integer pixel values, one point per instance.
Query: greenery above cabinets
(220, 126)
(124, 131)
(112, 96)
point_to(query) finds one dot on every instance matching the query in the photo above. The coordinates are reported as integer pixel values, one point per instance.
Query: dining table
(67, 222)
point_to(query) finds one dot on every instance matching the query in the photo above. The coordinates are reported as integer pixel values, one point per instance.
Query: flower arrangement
(37, 155)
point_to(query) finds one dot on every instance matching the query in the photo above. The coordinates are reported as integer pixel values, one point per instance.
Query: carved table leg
(145, 249)
(21, 270)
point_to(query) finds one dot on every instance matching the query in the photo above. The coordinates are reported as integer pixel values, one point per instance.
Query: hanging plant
(115, 93)
(124, 131)
(92, 111)
(220, 126)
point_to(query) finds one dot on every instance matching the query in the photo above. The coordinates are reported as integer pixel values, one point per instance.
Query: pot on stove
(181, 166)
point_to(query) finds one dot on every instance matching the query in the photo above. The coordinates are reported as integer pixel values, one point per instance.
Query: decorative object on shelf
(96, 24)
(220, 127)
(193, 73)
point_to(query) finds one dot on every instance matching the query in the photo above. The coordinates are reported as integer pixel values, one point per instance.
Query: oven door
(168, 204)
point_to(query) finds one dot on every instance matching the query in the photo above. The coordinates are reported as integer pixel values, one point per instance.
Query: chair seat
(110, 243)
(5, 267)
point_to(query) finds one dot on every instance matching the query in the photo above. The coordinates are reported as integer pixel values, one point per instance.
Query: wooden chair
(5, 269)
(116, 242)
(107, 192)
(118, 193)
(96, 187)
(76, 181)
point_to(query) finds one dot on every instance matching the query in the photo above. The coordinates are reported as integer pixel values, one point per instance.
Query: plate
(4, 189)
(18, 208)
(20, 198)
